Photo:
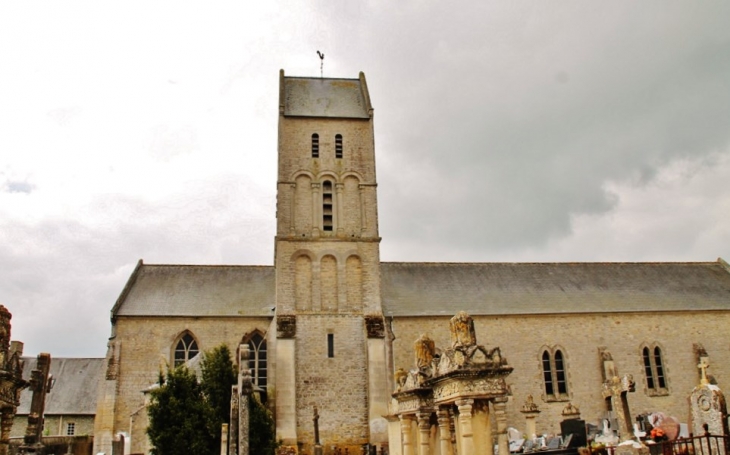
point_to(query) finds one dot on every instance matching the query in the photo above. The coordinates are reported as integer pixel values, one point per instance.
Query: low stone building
(71, 403)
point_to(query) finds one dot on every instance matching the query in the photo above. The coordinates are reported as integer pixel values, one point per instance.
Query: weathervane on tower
(321, 64)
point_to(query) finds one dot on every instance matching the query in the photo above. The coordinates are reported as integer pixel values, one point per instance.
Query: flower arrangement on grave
(658, 435)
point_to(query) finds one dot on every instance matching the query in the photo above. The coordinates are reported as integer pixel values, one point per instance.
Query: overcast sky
(505, 131)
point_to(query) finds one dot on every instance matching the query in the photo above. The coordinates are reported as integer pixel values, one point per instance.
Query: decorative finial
(703, 365)
(321, 64)
(530, 406)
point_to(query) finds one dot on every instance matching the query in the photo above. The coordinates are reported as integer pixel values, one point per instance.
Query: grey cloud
(61, 277)
(472, 94)
(19, 187)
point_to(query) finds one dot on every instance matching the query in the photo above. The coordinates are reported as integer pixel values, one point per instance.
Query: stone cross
(616, 388)
(317, 445)
(40, 385)
(703, 365)
(316, 426)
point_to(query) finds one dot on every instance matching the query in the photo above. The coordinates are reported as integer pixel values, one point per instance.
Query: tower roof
(324, 97)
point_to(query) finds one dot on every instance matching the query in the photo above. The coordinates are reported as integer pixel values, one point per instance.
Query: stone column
(286, 400)
(466, 433)
(442, 412)
(363, 210)
(452, 428)
(233, 437)
(481, 425)
(424, 433)
(7, 424)
(530, 411)
(224, 439)
(339, 208)
(316, 209)
(245, 388)
(292, 209)
(530, 424)
(407, 435)
(500, 412)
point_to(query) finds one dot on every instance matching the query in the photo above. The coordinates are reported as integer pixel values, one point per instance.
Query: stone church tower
(329, 344)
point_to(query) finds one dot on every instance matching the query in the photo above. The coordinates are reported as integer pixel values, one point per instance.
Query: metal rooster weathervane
(321, 64)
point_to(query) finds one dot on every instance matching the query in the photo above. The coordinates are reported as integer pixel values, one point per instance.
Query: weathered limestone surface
(11, 378)
(524, 336)
(143, 347)
(708, 406)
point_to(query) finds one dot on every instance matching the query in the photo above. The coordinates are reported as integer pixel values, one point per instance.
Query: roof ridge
(556, 263)
(210, 265)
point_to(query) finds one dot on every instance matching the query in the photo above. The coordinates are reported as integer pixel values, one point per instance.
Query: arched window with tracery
(257, 360)
(656, 381)
(185, 349)
(554, 374)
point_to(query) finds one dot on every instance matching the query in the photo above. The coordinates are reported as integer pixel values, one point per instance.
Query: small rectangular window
(315, 145)
(70, 429)
(330, 345)
(338, 146)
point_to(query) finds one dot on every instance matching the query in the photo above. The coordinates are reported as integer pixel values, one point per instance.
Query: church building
(329, 324)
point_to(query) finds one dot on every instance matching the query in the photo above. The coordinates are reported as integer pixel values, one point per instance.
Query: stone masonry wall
(353, 176)
(55, 425)
(147, 348)
(305, 285)
(337, 385)
(522, 339)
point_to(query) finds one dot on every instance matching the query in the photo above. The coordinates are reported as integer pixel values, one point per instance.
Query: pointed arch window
(315, 145)
(185, 349)
(257, 359)
(338, 146)
(656, 381)
(554, 375)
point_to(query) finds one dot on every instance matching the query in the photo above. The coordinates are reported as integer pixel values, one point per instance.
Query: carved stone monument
(707, 406)
(241, 396)
(467, 377)
(615, 389)
(11, 378)
(245, 387)
(40, 385)
(530, 411)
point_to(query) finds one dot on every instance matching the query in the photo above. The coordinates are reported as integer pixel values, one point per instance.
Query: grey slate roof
(74, 391)
(423, 289)
(198, 290)
(426, 289)
(321, 97)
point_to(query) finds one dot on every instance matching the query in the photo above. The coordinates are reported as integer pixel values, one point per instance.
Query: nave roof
(424, 289)
(430, 289)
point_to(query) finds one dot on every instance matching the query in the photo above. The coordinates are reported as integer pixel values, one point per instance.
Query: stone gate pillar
(424, 433)
(406, 429)
(466, 434)
(500, 412)
(444, 420)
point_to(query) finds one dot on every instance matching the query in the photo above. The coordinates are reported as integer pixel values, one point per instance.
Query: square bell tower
(330, 349)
